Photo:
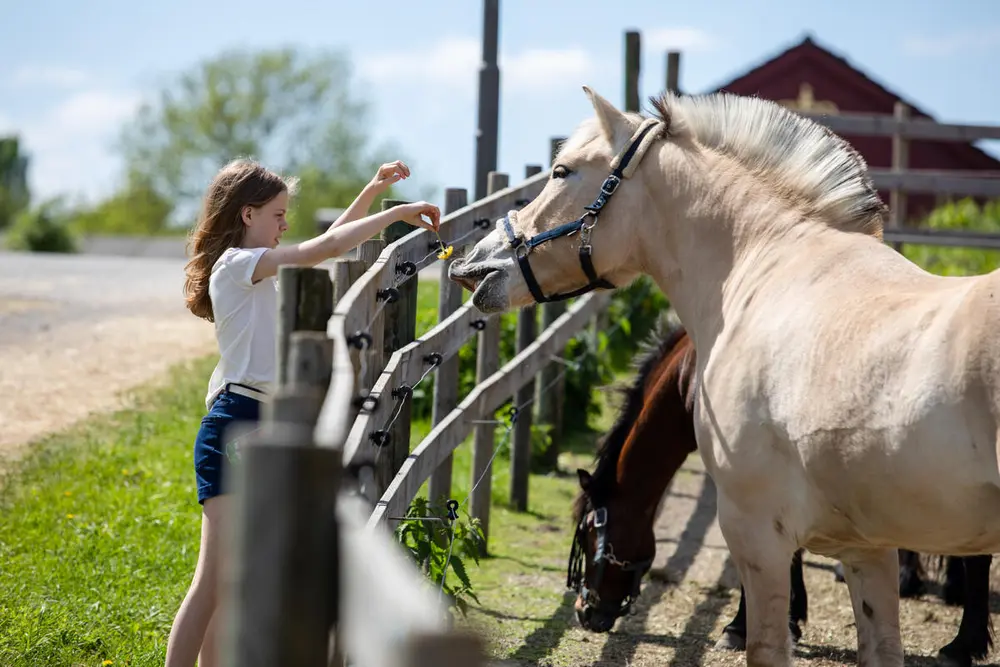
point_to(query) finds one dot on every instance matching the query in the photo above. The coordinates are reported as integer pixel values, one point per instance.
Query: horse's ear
(613, 122)
(585, 478)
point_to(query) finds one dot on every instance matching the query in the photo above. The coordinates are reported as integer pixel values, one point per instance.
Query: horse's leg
(911, 583)
(798, 610)
(762, 556)
(975, 634)
(873, 581)
(953, 591)
(734, 635)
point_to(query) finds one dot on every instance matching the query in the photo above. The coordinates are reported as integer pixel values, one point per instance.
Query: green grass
(99, 536)
(99, 531)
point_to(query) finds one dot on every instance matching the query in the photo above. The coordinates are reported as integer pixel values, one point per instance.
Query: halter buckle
(589, 222)
(610, 184)
(600, 517)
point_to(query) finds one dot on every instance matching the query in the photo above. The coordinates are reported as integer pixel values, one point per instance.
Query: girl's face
(266, 224)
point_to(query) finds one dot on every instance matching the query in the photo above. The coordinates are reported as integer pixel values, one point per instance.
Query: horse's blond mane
(801, 158)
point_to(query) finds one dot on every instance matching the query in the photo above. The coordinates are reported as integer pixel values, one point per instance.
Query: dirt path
(694, 590)
(78, 332)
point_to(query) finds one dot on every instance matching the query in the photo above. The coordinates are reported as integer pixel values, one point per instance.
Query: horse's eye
(560, 171)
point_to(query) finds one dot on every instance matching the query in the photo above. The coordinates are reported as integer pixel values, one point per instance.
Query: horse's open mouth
(474, 279)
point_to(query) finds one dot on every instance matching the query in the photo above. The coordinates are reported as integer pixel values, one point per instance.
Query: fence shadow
(544, 640)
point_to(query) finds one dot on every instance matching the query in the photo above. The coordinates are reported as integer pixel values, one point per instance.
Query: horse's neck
(658, 444)
(723, 236)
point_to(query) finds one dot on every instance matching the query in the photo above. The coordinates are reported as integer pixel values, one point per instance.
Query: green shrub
(963, 215)
(42, 229)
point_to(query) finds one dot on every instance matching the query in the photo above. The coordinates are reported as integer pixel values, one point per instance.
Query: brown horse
(616, 509)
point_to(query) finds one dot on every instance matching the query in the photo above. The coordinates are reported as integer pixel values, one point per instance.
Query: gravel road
(76, 331)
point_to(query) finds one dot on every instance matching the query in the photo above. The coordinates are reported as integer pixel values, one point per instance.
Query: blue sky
(71, 72)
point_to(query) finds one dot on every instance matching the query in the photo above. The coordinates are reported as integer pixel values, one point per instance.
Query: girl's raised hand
(388, 174)
(412, 213)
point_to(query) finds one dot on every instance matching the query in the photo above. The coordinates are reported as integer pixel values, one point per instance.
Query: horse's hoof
(730, 641)
(946, 659)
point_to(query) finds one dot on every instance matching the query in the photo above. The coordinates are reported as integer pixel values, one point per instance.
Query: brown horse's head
(614, 543)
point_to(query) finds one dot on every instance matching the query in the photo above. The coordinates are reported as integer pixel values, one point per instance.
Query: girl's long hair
(242, 182)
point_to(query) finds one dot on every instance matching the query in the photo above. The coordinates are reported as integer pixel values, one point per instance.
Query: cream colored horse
(848, 399)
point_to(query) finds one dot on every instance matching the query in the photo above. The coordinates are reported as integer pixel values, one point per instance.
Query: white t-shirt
(245, 320)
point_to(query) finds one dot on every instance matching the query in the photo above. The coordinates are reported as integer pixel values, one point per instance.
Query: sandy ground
(77, 332)
(693, 592)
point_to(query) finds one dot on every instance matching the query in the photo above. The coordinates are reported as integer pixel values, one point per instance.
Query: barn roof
(807, 51)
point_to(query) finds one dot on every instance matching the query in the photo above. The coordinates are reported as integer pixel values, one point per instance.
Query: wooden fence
(330, 472)
(899, 179)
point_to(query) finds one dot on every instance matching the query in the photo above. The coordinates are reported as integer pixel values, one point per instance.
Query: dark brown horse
(615, 512)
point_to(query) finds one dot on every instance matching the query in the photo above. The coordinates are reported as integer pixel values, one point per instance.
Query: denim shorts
(215, 446)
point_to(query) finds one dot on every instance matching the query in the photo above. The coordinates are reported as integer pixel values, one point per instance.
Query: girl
(231, 282)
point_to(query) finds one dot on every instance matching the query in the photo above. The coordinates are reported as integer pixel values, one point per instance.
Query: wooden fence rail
(480, 404)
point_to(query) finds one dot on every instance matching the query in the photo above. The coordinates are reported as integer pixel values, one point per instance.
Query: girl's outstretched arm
(336, 241)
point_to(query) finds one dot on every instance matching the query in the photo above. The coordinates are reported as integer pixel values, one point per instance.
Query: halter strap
(622, 167)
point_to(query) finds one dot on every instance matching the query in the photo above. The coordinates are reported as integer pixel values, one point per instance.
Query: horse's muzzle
(593, 619)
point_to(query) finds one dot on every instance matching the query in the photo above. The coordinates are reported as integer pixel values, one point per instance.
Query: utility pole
(489, 98)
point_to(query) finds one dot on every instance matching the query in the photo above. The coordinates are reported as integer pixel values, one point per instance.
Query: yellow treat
(446, 252)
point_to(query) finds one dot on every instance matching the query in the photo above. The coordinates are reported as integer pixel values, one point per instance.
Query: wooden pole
(305, 303)
(368, 253)
(632, 67)
(674, 71)
(400, 329)
(520, 459)
(373, 361)
(280, 593)
(487, 363)
(489, 98)
(548, 390)
(345, 272)
(446, 376)
(555, 143)
(900, 162)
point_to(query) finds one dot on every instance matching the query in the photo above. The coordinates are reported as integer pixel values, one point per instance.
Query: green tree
(14, 194)
(137, 209)
(294, 112)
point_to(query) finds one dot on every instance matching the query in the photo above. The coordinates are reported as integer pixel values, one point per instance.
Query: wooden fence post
(280, 596)
(370, 360)
(399, 330)
(900, 161)
(487, 363)
(520, 455)
(549, 386)
(345, 272)
(368, 253)
(632, 66)
(305, 303)
(674, 72)
(447, 375)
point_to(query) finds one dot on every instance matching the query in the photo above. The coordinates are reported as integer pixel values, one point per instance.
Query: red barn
(809, 77)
